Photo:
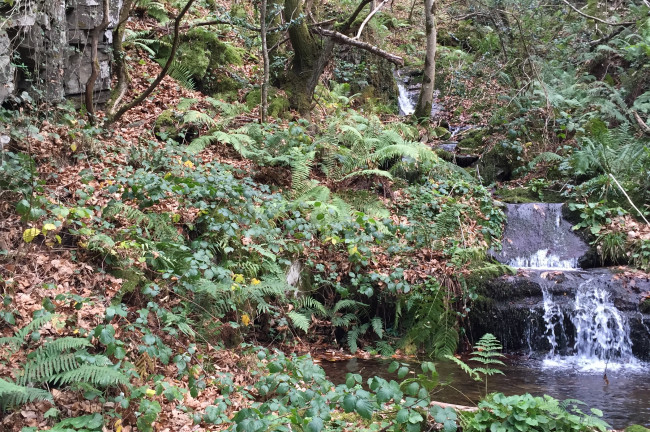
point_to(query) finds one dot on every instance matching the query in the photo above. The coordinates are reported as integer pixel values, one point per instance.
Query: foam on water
(543, 260)
(602, 333)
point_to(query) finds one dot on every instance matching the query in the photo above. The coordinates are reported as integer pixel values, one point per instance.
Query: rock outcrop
(45, 48)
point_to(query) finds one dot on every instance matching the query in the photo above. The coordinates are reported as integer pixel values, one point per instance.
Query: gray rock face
(512, 308)
(537, 235)
(50, 39)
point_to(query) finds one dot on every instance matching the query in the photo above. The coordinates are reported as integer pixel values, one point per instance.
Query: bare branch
(138, 100)
(595, 18)
(343, 39)
(369, 17)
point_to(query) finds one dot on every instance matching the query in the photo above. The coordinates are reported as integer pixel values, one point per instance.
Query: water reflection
(624, 397)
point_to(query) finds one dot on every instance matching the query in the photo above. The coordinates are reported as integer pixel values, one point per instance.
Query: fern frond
(198, 118)
(14, 395)
(299, 320)
(96, 375)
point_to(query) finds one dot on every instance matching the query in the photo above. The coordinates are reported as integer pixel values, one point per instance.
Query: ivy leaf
(30, 234)
(393, 367)
(401, 373)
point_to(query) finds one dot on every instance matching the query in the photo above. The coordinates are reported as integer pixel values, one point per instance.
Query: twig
(628, 198)
(369, 17)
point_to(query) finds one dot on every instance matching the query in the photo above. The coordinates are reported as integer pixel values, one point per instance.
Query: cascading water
(600, 332)
(537, 237)
(404, 101)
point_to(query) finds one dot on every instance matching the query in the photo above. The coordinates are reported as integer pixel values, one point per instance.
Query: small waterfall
(537, 237)
(600, 332)
(404, 101)
(553, 318)
(543, 260)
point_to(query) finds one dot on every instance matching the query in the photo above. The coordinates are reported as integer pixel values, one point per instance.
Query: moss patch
(166, 125)
(636, 428)
(278, 104)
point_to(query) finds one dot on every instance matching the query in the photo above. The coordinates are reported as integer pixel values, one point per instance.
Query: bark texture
(425, 101)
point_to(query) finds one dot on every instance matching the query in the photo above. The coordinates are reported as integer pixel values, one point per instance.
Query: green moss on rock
(278, 104)
(166, 125)
(636, 428)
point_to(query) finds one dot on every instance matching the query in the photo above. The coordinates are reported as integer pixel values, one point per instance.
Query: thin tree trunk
(138, 100)
(425, 101)
(119, 62)
(265, 56)
(94, 71)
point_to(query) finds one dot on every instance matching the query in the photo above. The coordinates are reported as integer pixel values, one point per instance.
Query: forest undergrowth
(180, 268)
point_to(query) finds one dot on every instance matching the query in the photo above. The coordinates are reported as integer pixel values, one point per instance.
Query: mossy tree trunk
(425, 101)
(306, 53)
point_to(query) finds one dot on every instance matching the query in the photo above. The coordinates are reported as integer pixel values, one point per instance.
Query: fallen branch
(627, 23)
(628, 198)
(343, 39)
(644, 127)
(454, 406)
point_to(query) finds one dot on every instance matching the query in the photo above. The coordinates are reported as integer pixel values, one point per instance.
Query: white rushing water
(406, 105)
(602, 333)
(543, 260)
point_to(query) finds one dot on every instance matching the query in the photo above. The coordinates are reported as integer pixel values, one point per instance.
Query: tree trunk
(119, 60)
(425, 101)
(265, 57)
(306, 52)
(94, 71)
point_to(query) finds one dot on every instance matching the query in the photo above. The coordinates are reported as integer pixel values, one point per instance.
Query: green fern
(299, 320)
(15, 395)
(486, 352)
(180, 72)
(96, 375)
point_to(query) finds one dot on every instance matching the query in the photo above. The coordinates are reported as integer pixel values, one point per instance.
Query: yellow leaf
(189, 164)
(255, 281)
(239, 278)
(30, 234)
(73, 147)
(150, 392)
(245, 319)
(58, 238)
(48, 227)
(118, 425)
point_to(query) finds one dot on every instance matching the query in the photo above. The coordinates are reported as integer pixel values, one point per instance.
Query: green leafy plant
(529, 413)
(487, 353)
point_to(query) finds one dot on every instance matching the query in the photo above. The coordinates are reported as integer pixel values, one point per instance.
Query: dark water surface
(624, 401)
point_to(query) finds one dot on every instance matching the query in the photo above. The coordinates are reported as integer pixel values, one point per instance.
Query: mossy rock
(517, 195)
(202, 53)
(497, 164)
(644, 307)
(215, 83)
(278, 106)
(636, 428)
(166, 125)
(441, 133)
(472, 141)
